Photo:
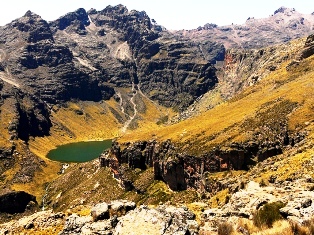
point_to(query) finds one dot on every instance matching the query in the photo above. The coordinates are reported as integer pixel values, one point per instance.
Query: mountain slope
(115, 74)
(283, 25)
(271, 122)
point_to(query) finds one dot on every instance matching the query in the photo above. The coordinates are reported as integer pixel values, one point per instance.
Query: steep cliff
(119, 47)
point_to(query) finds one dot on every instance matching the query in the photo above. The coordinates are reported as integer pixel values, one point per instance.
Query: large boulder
(144, 220)
(100, 212)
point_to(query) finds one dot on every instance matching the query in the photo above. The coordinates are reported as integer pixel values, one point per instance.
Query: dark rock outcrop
(85, 55)
(181, 170)
(36, 28)
(77, 22)
(15, 202)
(308, 49)
(33, 120)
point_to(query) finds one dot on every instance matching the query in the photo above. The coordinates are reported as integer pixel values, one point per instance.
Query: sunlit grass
(222, 124)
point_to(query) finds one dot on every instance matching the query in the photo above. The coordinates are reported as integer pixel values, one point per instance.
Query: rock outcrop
(15, 202)
(181, 170)
(295, 197)
(41, 221)
(123, 220)
(162, 220)
(308, 49)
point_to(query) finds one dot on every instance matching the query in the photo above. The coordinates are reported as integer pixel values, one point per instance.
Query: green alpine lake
(80, 151)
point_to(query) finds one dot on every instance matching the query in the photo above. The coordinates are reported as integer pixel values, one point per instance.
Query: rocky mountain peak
(119, 17)
(285, 24)
(115, 10)
(29, 14)
(284, 10)
(78, 20)
(33, 25)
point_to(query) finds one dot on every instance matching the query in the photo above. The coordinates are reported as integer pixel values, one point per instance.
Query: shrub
(225, 228)
(296, 229)
(162, 120)
(262, 183)
(310, 225)
(268, 214)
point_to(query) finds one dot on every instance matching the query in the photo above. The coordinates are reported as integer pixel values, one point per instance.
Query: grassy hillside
(280, 98)
(71, 122)
(282, 102)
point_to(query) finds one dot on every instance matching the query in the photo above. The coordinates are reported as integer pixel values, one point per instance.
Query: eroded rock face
(181, 170)
(85, 55)
(15, 202)
(162, 65)
(77, 21)
(308, 48)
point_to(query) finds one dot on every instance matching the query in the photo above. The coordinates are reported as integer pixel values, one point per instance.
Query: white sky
(173, 14)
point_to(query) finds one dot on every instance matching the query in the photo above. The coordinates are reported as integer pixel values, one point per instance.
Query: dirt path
(128, 122)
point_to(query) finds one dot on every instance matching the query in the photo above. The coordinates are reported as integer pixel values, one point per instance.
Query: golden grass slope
(85, 121)
(224, 123)
(72, 122)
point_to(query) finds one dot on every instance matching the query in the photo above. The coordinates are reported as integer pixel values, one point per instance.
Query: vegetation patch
(268, 214)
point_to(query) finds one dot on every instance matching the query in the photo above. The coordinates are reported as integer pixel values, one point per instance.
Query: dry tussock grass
(222, 124)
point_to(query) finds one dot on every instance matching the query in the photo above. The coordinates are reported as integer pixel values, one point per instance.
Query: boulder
(74, 223)
(100, 227)
(144, 220)
(100, 212)
(121, 207)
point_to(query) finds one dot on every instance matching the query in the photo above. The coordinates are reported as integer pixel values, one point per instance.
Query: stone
(75, 223)
(306, 203)
(288, 211)
(100, 227)
(29, 225)
(145, 220)
(121, 207)
(308, 49)
(100, 212)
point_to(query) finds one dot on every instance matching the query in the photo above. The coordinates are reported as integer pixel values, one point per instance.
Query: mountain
(283, 25)
(98, 51)
(193, 119)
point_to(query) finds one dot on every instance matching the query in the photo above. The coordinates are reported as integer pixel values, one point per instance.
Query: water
(79, 152)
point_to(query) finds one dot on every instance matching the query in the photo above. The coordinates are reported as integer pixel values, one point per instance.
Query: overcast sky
(173, 14)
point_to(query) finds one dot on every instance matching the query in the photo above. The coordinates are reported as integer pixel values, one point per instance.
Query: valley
(205, 130)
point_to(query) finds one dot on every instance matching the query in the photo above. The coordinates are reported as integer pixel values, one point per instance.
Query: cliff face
(119, 47)
(181, 170)
(85, 55)
(35, 63)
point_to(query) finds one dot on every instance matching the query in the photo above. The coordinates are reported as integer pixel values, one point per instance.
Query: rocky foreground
(117, 217)
(124, 217)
